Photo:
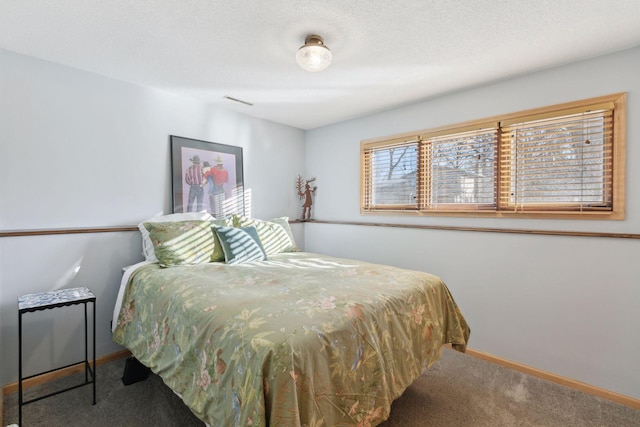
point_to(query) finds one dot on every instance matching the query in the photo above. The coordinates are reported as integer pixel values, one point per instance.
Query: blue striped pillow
(240, 244)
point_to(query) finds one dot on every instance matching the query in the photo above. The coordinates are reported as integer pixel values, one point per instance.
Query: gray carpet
(459, 390)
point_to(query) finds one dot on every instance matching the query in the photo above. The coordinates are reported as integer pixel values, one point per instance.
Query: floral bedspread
(299, 340)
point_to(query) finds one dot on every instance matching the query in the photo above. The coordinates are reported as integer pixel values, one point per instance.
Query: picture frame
(206, 176)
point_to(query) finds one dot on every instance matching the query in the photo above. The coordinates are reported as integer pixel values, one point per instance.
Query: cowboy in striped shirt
(193, 177)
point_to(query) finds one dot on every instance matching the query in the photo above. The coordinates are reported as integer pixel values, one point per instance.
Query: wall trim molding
(483, 229)
(50, 231)
(50, 376)
(576, 385)
(126, 228)
(85, 230)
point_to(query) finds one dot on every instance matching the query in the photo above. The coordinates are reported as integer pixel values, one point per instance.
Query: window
(459, 169)
(561, 161)
(390, 175)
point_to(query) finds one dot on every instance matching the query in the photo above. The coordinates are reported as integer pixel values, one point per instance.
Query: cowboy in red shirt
(216, 177)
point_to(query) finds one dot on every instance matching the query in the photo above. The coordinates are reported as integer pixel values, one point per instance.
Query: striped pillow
(181, 242)
(275, 234)
(240, 244)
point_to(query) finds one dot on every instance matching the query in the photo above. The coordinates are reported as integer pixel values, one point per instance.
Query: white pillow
(147, 245)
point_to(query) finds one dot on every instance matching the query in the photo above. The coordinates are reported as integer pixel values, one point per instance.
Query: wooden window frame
(618, 176)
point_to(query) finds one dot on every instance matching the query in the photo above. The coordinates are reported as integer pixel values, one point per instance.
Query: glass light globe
(314, 55)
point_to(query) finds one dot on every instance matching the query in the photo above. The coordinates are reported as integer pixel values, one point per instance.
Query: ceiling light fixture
(314, 55)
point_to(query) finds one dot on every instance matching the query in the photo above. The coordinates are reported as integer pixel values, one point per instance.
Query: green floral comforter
(299, 340)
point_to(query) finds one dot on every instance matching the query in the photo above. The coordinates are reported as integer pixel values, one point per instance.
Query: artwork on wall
(206, 176)
(306, 193)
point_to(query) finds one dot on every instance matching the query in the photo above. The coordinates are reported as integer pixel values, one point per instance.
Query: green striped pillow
(275, 234)
(181, 242)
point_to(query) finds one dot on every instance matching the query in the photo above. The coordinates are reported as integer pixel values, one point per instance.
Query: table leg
(20, 369)
(94, 353)
(86, 344)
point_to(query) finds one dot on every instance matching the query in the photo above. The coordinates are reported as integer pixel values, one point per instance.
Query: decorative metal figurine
(306, 193)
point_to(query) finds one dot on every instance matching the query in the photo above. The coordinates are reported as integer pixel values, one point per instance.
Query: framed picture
(206, 176)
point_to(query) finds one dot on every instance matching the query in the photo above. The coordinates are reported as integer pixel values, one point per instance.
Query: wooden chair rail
(79, 230)
(125, 228)
(50, 231)
(485, 229)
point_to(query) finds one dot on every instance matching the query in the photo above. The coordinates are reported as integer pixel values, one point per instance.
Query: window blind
(389, 175)
(459, 169)
(559, 162)
(562, 161)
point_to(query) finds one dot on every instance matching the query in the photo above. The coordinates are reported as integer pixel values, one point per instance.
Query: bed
(296, 339)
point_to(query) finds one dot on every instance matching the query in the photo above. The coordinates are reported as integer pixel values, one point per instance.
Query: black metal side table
(53, 299)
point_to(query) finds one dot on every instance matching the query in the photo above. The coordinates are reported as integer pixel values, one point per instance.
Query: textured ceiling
(385, 53)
